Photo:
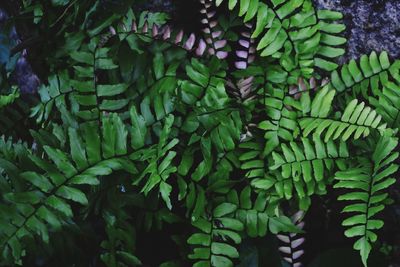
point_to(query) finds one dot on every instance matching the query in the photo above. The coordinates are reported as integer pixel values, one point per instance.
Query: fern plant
(216, 136)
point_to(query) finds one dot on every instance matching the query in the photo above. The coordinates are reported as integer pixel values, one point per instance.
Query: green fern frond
(6, 100)
(120, 245)
(46, 200)
(366, 184)
(307, 165)
(214, 243)
(356, 119)
(253, 162)
(281, 124)
(258, 216)
(367, 76)
(388, 99)
(388, 104)
(294, 32)
(159, 164)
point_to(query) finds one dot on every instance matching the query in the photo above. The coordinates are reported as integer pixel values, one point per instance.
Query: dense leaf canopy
(139, 126)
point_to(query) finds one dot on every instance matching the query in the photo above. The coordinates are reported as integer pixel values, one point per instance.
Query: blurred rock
(22, 73)
(371, 25)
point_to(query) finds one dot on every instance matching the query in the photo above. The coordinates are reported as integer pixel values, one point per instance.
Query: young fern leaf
(292, 250)
(243, 88)
(357, 119)
(178, 38)
(213, 42)
(366, 183)
(213, 35)
(214, 243)
(245, 55)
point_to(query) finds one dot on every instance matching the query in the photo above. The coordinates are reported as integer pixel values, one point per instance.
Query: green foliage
(214, 243)
(8, 99)
(301, 40)
(367, 183)
(136, 134)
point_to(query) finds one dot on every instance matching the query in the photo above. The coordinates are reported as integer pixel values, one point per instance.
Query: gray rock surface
(371, 25)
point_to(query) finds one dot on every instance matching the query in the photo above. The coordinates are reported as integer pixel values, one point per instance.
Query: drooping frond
(159, 164)
(366, 183)
(387, 103)
(212, 43)
(214, 242)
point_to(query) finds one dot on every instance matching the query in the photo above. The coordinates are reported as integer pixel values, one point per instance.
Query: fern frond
(356, 119)
(258, 216)
(254, 164)
(89, 96)
(375, 79)
(246, 53)
(55, 180)
(213, 117)
(388, 104)
(291, 29)
(387, 101)
(214, 243)
(366, 183)
(282, 124)
(159, 164)
(121, 238)
(307, 165)
(213, 34)
(6, 100)
(367, 76)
